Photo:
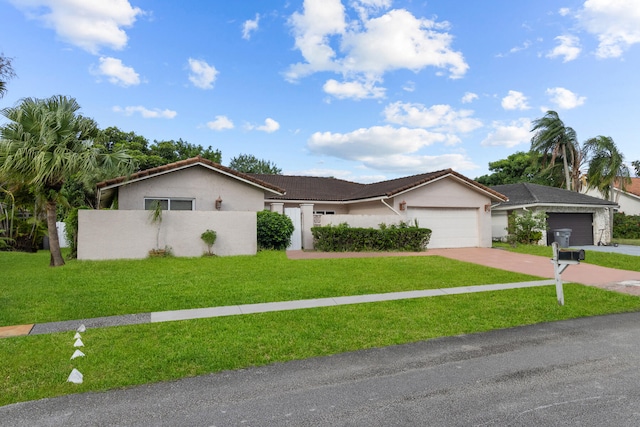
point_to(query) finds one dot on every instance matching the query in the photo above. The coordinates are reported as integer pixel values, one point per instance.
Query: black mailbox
(568, 255)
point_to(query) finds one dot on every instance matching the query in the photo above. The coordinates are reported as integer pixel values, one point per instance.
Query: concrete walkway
(606, 278)
(235, 310)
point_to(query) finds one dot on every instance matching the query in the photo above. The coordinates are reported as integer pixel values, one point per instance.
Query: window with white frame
(324, 212)
(169, 204)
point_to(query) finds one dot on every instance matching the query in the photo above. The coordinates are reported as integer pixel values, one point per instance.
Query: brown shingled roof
(331, 189)
(184, 163)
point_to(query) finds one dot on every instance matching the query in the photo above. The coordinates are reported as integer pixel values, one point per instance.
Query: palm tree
(606, 166)
(552, 138)
(45, 143)
(6, 73)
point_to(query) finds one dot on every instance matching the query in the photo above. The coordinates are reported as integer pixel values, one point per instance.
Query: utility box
(561, 236)
(565, 255)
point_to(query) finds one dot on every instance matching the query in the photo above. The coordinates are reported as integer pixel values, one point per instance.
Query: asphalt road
(582, 372)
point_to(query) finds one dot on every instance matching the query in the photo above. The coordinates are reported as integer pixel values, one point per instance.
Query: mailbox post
(563, 258)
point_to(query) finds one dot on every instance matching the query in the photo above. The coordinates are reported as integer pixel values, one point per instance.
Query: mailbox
(569, 255)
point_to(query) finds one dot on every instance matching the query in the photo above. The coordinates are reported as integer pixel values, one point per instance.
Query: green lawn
(37, 366)
(32, 292)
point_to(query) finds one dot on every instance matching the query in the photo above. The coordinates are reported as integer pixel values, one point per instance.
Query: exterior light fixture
(403, 205)
(218, 203)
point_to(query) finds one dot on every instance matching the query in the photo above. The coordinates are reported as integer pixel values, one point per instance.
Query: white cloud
(367, 143)
(441, 118)
(409, 86)
(515, 101)
(564, 98)
(508, 135)
(616, 24)
(354, 89)
(156, 113)
(269, 126)
(250, 26)
(369, 47)
(89, 25)
(202, 74)
(568, 48)
(415, 164)
(220, 123)
(564, 11)
(469, 97)
(116, 72)
(389, 149)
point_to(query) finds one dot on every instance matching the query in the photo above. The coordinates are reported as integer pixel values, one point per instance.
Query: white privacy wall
(113, 234)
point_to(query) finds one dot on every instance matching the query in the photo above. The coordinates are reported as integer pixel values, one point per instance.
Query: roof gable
(527, 193)
(182, 164)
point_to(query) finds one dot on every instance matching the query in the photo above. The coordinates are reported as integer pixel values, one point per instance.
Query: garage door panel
(581, 225)
(450, 227)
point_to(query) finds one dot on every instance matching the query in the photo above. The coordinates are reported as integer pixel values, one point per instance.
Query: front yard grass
(32, 292)
(37, 366)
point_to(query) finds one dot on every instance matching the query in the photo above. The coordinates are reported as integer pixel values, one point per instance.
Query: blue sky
(362, 90)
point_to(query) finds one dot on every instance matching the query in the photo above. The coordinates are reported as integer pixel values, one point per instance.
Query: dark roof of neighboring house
(184, 163)
(331, 189)
(527, 193)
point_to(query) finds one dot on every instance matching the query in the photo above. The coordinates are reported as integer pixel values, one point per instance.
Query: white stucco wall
(111, 234)
(499, 223)
(195, 182)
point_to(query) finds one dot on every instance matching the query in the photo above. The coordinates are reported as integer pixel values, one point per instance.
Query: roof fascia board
(550, 205)
(253, 184)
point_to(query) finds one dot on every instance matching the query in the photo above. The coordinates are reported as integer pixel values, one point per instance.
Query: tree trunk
(54, 243)
(566, 167)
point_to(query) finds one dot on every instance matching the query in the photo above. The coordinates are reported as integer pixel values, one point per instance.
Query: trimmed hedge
(274, 230)
(343, 238)
(626, 226)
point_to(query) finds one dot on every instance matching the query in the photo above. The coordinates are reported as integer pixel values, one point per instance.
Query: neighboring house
(199, 195)
(589, 218)
(628, 200)
(456, 208)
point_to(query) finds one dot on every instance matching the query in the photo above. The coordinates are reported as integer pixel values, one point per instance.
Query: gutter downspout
(387, 205)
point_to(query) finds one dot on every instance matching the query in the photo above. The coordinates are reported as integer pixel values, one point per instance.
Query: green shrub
(526, 227)
(400, 237)
(209, 238)
(274, 230)
(626, 226)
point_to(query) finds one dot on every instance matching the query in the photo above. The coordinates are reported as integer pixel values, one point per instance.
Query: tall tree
(636, 166)
(522, 167)
(156, 154)
(555, 139)
(6, 73)
(248, 163)
(45, 143)
(606, 166)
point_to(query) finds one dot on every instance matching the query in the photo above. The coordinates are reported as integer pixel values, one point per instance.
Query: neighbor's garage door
(450, 228)
(581, 225)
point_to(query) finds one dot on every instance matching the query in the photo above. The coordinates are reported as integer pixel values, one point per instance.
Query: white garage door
(450, 227)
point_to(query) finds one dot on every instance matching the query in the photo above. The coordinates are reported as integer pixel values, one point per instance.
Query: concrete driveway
(607, 278)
